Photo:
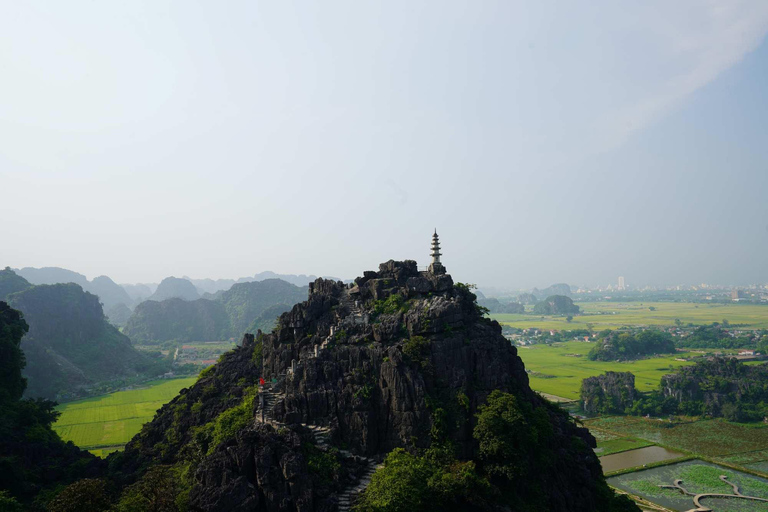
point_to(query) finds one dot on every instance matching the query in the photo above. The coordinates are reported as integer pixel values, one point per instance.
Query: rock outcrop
(368, 364)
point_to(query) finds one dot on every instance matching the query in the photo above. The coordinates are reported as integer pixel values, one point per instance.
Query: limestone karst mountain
(394, 387)
(11, 282)
(110, 293)
(175, 288)
(70, 346)
(229, 314)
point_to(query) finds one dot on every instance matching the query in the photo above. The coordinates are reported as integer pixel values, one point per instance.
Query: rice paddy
(106, 423)
(612, 315)
(558, 369)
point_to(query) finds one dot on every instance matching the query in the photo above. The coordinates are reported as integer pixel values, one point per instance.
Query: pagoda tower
(436, 267)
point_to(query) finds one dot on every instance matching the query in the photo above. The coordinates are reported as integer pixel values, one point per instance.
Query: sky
(546, 141)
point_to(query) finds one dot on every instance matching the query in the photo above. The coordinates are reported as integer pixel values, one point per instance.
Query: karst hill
(390, 393)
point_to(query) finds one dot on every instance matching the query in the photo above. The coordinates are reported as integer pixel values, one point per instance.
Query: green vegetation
(71, 348)
(393, 304)
(105, 423)
(244, 307)
(566, 366)
(518, 457)
(226, 424)
(716, 388)
(719, 337)
(612, 392)
(716, 439)
(556, 305)
(32, 456)
(10, 282)
(615, 346)
(613, 315)
(324, 465)
(434, 481)
(697, 477)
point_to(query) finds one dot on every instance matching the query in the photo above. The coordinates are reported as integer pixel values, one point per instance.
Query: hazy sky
(547, 141)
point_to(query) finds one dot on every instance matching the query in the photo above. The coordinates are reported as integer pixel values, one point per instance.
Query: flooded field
(639, 457)
(676, 486)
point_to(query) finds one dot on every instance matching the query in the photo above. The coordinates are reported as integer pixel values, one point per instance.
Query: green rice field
(558, 369)
(106, 423)
(717, 439)
(612, 315)
(697, 477)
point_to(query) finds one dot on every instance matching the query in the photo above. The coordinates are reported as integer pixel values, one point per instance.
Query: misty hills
(110, 293)
(11, 282)
(253, 304)
(70, 345)
(175, 288)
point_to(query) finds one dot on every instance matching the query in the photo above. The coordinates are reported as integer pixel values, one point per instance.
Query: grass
(104, 424)
(698, 477)
(559, 368)
(621, 444)
(716, 439)
(612, 315)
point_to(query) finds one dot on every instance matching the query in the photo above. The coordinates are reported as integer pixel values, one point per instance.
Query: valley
(613, 315)
(104, 424)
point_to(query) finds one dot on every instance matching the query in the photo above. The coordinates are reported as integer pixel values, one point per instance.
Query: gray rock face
(374, 396)
(369, 363)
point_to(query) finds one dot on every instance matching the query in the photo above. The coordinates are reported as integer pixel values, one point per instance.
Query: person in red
(261, 381)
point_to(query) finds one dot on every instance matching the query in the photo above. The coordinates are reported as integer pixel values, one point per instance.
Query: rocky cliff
(399, 359)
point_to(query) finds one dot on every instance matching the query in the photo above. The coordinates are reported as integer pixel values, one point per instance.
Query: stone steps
(349, 495)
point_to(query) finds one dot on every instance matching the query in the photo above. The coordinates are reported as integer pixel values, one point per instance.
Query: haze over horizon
(546, 142)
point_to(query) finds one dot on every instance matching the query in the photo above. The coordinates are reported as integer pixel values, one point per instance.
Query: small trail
(678, 485)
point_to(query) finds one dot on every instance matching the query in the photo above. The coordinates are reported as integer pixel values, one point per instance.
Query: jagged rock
(371, 371)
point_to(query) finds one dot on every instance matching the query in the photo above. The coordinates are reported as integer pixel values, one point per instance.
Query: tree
(157, 491)
(569, 318)
(88, 494)
(504, 435)
(12, 329)
(556, 305)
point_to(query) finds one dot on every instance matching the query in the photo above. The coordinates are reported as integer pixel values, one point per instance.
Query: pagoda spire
(436, 267)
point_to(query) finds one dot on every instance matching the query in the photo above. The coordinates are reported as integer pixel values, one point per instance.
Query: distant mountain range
(110, 293)
(245, 307)
(70, 345)
(119, 300)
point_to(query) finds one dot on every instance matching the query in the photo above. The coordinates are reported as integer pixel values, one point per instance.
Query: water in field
(697, 477)
(639, 457)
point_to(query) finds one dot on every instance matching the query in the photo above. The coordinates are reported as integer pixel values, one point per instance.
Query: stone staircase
(349, 495)
(322, 437)
(267, 413)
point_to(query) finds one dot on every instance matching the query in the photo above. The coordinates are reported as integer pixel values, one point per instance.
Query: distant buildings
(622, 285)
(738, 294)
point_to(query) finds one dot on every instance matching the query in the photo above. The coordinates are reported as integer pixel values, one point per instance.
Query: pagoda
(436, 267)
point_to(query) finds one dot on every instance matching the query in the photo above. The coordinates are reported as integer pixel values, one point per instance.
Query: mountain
(139, 292)
(32, 456)
(177, 319)
(175, 288)
(226, 316)
(52, 275)
(555, 289)
(70, 345)
(118, 315)
(400, 367)
(110, 293)
(245, 302)
(215, 286)
(495, 306)
(10, 282)
(211, 285)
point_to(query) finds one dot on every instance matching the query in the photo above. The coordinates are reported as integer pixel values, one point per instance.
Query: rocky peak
(367, 358)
